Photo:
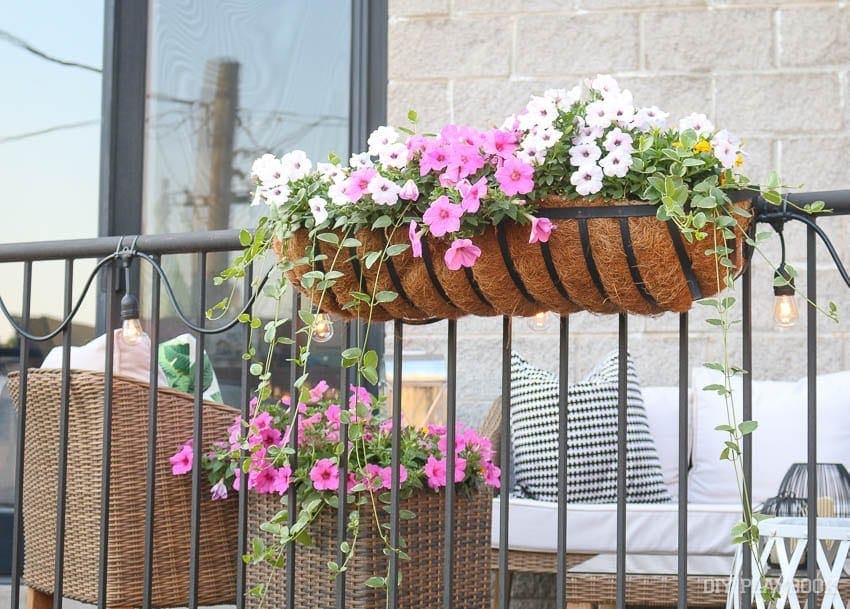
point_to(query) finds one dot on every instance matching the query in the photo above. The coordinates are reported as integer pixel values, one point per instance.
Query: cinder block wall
(775, 72)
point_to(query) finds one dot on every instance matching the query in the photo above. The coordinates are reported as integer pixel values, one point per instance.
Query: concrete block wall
(774, 71)
(777, 72)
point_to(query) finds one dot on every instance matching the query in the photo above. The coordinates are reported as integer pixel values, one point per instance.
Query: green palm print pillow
(178, 358)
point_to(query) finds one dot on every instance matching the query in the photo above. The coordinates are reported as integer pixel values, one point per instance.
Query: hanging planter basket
(603, 256)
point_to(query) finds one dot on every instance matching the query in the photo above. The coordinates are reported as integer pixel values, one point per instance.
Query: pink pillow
(132, 361)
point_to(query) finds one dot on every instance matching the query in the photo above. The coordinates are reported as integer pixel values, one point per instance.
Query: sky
(293, 93)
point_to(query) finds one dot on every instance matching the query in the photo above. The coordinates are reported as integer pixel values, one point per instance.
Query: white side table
(774, 532)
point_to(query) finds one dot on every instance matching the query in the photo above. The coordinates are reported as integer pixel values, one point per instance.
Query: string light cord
(126, 254)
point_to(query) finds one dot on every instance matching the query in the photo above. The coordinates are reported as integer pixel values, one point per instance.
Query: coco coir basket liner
(603, 256)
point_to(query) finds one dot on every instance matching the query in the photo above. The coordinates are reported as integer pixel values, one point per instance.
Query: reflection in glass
(230, 80)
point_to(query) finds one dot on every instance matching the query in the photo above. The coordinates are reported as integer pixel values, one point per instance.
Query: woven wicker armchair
(598, 590)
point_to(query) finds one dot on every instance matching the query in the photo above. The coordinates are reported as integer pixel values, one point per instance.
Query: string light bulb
(539, 322)
(323, 328)
(785, 312)
(131, 327)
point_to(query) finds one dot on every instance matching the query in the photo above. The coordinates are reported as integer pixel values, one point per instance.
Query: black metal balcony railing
(112, 250)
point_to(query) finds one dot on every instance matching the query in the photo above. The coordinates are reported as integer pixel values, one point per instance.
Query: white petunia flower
(546, 137)
(563, 99)
(318, 207)
(277, 195)
(380, 138)
(622, 108)
(697, 122)
(586, 134)
(726, 148)
(540, 111)
(648, 118)
(618, 140)
(268, 170)
(724, 136)
(584, 154)
(616, 163)
(395, 155)
(337, 194)
(599, 114)
(360, 160)
(587, 179)
(605, 84)
(330, 172)
(531, 152)
(511, 123)
(296, 165)
(383, 191)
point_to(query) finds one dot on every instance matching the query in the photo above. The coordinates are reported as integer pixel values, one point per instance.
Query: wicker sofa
(651, 530)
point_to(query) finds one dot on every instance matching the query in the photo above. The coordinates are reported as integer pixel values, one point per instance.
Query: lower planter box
(422, 575)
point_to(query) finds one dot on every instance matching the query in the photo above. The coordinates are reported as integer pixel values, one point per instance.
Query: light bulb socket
(129, 307)
(786, 288)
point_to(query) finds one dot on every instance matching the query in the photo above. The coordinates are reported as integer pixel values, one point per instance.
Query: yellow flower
(702, 146)
(722, 178)
(739, 160)
(676, 144)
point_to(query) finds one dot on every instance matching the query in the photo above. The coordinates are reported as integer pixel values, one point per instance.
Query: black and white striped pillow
(591, 437)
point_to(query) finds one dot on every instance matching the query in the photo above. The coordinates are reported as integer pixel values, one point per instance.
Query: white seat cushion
(651, 528)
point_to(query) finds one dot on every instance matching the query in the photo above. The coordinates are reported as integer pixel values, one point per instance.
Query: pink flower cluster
(456, 156)
(260, 448)
(469, 446)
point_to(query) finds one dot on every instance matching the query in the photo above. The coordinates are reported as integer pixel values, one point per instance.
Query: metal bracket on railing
(777, 216)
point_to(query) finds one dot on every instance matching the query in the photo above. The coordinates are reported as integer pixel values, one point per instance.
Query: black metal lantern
(833, 490)
(833, 498)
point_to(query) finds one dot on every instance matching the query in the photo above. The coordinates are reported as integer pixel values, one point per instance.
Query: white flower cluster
(601, 147)
(537, 122)
(275, 174)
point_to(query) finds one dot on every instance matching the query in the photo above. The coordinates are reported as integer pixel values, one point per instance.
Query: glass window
(229, 80)
(50, 64)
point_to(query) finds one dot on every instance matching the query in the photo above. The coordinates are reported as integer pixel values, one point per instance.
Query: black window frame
(125, 53)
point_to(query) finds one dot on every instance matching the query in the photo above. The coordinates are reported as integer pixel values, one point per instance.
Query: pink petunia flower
(461, 253)
(515, 177)
(436, 430)
(264, 480)
(325, 475)
(442, 216)
(318, 391)
(219, 491)
(464, 160)
(416, 143)
(415, 239)
(472, 194)
(283, 478)
(435, 157)
(541, 229)
(332, 413)
(435, 472)
(359, 395)
(492, 475)
(409, 192)
(386, 475)
(355, 185)
(500, 142)
(181, 461)
(460, 443)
